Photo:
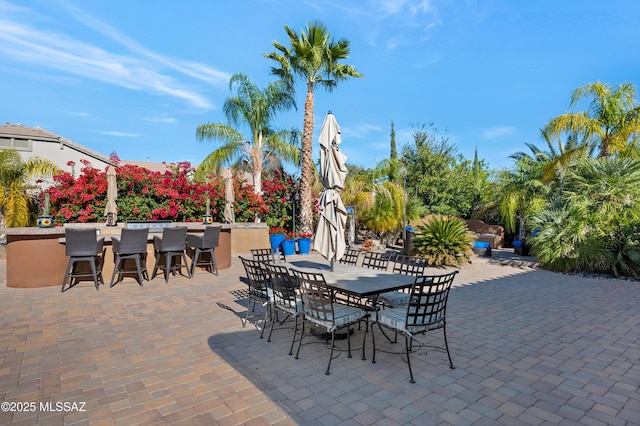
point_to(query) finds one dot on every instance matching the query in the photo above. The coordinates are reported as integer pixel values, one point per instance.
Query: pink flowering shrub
(148, 195)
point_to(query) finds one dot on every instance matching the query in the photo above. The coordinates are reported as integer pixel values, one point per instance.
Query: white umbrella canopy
(111, 209)
(229, 196)
(330, 241)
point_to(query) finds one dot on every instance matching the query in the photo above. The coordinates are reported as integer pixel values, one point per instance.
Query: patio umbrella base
(323, 335)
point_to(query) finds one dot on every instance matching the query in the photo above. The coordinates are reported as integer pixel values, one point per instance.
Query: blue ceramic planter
(289, 247)
(304, 245)
(276, 240)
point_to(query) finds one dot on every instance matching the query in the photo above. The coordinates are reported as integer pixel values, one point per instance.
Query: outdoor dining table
(356, 281)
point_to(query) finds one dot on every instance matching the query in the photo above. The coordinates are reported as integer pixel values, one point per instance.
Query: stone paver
(529, 346)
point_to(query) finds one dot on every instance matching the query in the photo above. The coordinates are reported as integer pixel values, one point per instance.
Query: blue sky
(138, 77)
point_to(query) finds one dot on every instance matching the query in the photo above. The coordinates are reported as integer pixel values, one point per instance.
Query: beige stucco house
(37, 142)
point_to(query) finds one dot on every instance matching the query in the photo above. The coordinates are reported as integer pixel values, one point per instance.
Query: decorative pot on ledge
(207, 219)
(45, 221)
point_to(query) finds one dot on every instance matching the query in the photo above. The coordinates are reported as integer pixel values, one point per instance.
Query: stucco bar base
(36, 258)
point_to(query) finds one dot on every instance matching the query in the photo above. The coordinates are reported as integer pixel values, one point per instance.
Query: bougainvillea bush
(278, 195)
(148, 195)
(144, 195)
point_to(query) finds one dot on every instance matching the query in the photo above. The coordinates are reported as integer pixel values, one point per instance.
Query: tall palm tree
(255, 109)
(313, 58)
(612, 120)
(15, 175)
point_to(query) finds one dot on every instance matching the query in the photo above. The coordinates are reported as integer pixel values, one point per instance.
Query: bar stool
(83, 245)
(132, 244)
(172, 244)
(201, 244)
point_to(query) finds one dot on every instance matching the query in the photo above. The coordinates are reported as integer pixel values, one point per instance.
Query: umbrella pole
(332, 263)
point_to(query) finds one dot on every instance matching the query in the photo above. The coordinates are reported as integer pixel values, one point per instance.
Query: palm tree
(255, 109)
(593, 225)
(522, 194)
(15, 174)
(314, 58)
(559, 157)
(611, 122)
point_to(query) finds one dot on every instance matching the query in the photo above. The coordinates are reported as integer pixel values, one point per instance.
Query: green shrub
(444, 241)
(594, 225)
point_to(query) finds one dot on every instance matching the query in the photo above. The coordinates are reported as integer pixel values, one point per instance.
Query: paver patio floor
(530, 347)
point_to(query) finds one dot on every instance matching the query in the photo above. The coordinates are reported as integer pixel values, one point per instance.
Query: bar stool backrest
(131, 241)
(174, 239)
(81, 241)
(211, 236)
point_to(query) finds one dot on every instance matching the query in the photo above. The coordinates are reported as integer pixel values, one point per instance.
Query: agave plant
(444, 241)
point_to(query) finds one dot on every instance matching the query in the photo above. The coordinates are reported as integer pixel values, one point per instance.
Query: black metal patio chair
(259, 287)
(319, 308)
(285, 298)
(425, 311)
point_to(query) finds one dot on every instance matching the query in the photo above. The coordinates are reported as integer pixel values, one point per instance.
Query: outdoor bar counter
(36, 256)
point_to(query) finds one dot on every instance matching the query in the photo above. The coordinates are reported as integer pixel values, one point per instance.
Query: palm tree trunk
(256, 162)
(306, 197)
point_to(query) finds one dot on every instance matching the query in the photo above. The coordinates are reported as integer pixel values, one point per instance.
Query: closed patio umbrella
(329, 240)
(229, 196)
(111, 209)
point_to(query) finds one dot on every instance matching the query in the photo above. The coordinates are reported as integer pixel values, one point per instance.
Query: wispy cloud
(137, 69)
(359, 130)
(78, 113)
(161, 119)
(389, 23)
(397, 23)
(119, 134)
(498, 132)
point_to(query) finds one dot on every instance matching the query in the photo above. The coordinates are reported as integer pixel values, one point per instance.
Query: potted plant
(45, 220)
(289, 244)
(304, 242)
(276, 236)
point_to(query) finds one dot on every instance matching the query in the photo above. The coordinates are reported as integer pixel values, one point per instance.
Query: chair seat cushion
(290, 307)
(344, 315)
(396, 318)
(394, 298)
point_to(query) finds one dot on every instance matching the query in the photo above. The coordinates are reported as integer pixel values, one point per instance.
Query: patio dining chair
(132, 244)
(268, 255)
(319, 308)
(350, 257)
(373, 260)
(171, 245)
(284, 298)
(83, 245)
(259, 287)
(406, 265)
(206, 243)
(425, 311)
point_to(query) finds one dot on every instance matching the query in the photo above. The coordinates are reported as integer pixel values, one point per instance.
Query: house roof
(154, 166)
(18, 131)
